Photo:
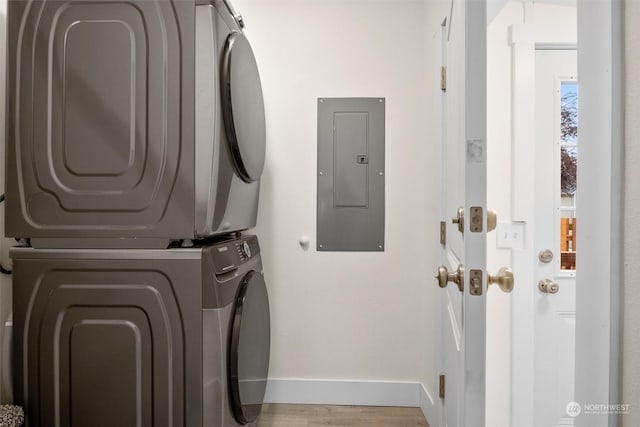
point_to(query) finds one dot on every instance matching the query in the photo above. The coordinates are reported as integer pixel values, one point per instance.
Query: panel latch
(362, 159)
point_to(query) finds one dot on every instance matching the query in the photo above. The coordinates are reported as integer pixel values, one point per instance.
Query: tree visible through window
(568, 173)
(568, 133)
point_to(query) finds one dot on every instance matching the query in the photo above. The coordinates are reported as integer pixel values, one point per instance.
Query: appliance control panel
(229, 255)
(244, 250)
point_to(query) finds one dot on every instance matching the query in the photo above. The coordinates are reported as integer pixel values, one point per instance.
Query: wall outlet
(510, 235)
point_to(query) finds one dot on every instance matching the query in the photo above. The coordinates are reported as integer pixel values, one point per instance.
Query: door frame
(438, 177)
(524, 38)
(599, 280)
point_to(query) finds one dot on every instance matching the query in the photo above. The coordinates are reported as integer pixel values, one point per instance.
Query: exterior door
(556, 139)
(462, 273)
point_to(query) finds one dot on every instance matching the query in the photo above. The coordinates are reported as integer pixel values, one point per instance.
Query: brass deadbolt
(459, 220)
(492, 220)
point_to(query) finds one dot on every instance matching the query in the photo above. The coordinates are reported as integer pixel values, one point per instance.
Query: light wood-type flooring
(339, 416)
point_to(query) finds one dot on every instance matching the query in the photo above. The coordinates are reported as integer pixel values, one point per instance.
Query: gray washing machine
(176, 337)
(130, 124)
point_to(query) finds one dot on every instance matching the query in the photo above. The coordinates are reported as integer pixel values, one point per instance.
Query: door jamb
(599, 280)
(523, 40)
(599, 67)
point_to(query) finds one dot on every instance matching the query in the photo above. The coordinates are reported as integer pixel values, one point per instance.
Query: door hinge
(443, 79)
(441, 387)
(443, 233)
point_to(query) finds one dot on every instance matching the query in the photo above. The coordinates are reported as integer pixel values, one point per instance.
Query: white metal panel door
(555, 217)
(463, 163)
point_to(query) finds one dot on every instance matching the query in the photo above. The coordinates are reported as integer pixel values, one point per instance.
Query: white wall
(631, 338)
(345, 315)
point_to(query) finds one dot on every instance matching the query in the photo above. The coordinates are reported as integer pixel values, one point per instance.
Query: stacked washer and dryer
(135, 146)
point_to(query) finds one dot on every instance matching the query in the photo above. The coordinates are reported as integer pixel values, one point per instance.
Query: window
(568, 173)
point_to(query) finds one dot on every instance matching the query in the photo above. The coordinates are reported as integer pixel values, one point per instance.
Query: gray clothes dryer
(130, 124)
(154, 338)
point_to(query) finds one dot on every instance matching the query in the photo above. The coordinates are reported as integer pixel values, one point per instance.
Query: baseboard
(428, 407)
(349, 392)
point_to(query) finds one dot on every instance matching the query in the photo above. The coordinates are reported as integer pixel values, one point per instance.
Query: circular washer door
(249, 348)
(243, 107)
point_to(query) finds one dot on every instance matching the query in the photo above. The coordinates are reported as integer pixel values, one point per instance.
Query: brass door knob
(444, 277)
(548, 286)
(504, 279)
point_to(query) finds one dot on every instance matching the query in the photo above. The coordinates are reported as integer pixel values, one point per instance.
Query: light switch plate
(511, 235)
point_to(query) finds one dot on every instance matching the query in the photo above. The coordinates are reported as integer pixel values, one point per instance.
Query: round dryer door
(243, 107)
(249, 348)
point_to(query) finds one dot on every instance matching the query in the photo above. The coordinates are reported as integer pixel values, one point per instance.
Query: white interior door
(556, 140)
(463, 252)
